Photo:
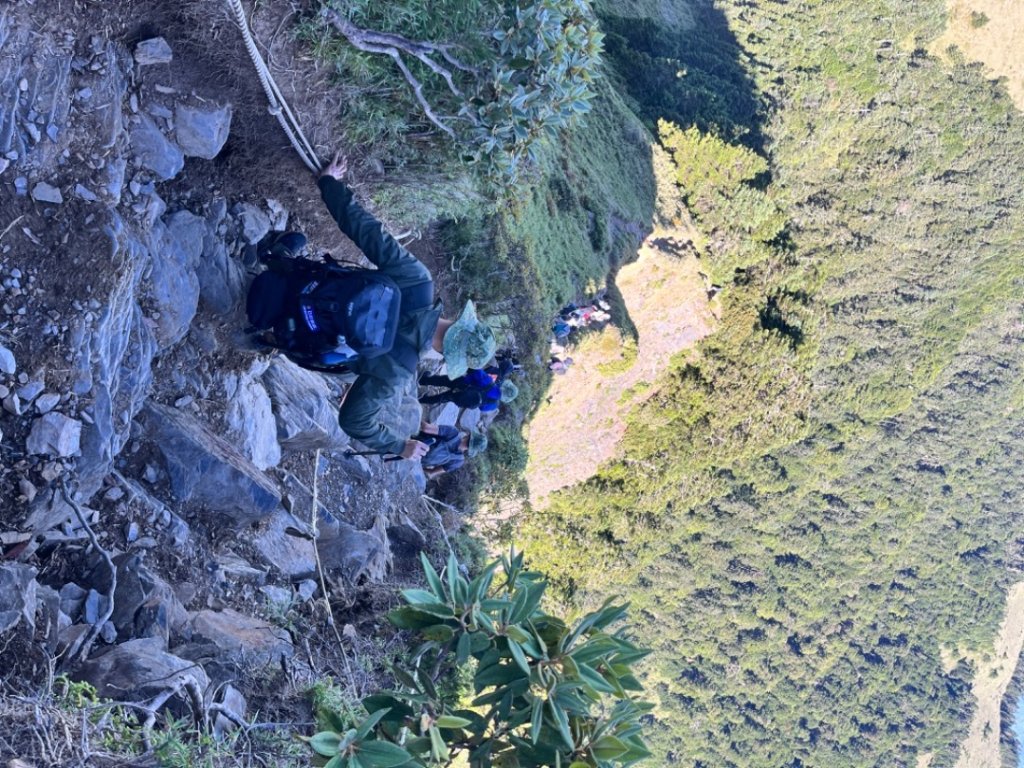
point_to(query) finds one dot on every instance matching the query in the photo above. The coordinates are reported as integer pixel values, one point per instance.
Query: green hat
(509, 391)
(477, 443)
(468, 343)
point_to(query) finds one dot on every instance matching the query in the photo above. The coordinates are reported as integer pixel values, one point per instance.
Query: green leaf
(338, 761)
(368, 724)
(536, 719)
(608, 748)
(518, 655)
(420, 596)
(438, 749)
(562, 721)
(451, 721)
(439, 633)
(382, 754)
(463, 648)
(432, 578)
(325, 743)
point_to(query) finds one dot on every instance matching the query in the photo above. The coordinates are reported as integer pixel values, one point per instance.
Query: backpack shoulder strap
(418, 296)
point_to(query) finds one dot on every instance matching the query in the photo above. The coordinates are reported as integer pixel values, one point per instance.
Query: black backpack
(325, 316)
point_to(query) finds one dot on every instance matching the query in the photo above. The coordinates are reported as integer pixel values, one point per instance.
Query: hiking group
(376, 324)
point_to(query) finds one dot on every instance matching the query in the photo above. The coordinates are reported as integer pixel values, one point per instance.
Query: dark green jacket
(380, 378)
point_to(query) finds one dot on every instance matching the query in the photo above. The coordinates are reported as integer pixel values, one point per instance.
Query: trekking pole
(350, 454)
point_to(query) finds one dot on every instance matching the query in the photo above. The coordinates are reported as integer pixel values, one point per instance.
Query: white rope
(278, 105)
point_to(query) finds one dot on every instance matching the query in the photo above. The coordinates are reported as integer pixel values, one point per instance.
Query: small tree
(546, 694)
(544, 58)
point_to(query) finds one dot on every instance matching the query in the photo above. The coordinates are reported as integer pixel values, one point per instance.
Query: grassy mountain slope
(806, 515)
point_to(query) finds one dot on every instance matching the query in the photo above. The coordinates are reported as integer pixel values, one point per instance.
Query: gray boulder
(176, 247)
(47, 193)
(356, 554)
(17, 595)
(293, 556)
(144, 604)
(153, 51)
(7, 363)
(254, 223)
(55, 435)
(245, 639)
(307, 418)
(205, 468)
(139, 670)
(201, 132)
(250, 418)
(221, 278)
(154, 151)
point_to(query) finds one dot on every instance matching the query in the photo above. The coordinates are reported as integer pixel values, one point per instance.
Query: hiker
(378, 323)
(450, 449)
(477, 389)
(558, 366)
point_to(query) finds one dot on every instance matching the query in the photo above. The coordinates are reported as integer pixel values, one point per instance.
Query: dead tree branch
(94, 631)
(394, 46)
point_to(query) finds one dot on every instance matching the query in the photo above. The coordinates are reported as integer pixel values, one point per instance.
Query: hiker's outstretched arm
(359, 416)
(368, 233)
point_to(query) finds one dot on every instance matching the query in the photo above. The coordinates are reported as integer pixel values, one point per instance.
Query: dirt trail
(584, 419)
(992, 32)
(981, 748)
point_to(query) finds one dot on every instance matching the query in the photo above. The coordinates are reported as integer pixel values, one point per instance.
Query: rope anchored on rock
(278, 105)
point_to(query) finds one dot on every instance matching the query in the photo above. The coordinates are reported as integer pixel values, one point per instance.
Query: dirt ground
(582, 422)
(991, 679)
(992, 32)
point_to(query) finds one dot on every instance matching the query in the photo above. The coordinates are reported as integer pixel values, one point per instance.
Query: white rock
(55, 435)
(47, 401)
(153, 51)
(7, 362)
(47, 193)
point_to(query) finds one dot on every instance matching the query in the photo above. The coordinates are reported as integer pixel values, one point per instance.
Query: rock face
(175, 288)
(355, 553)
(153, 51)
(306, 417)
(144, 605)
(139, 670)
(114, 358)
(253, 222)
(17, 595)
(221, 278)
(55, 435)
(207, 469)
(250, 418)
(247, 640)
(292, 555)
(202, 132)
(155, 152)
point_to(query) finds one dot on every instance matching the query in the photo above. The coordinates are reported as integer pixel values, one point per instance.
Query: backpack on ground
(325, 316)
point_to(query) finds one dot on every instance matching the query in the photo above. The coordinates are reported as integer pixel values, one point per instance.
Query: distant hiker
(483, 389)
(560, 366)
(374, 323)
(451, 448)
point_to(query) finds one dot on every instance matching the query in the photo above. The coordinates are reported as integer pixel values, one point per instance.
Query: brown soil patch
(992, 32)
(581, 424)
(993, 675)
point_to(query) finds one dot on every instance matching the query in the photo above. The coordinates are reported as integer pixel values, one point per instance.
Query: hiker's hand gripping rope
(337, 168)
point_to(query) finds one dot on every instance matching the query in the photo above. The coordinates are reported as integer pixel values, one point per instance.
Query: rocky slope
(157, 478)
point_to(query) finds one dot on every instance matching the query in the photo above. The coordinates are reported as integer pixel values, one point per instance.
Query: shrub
(547, 693)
